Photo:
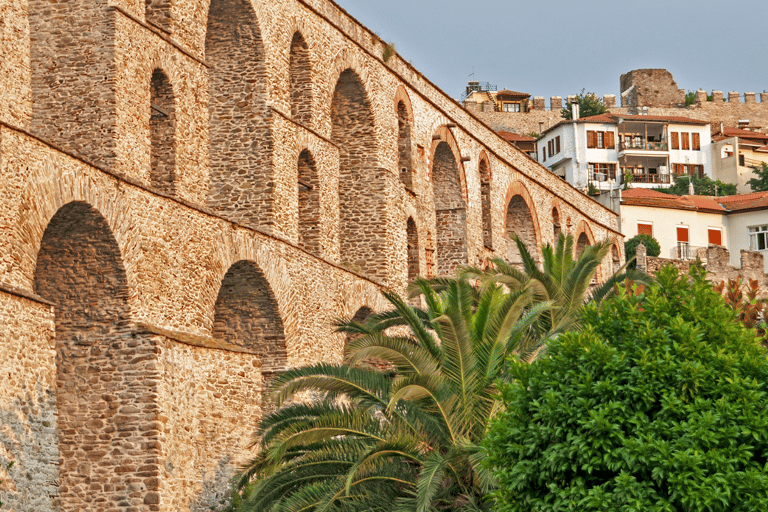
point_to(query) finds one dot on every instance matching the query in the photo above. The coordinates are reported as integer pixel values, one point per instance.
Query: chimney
(575, 111)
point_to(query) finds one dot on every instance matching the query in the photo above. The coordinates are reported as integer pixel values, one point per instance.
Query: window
(554, 146)
(685, 140)
(600, 140)
(544, 154)
(682, 234)
(758, 238)
(591, 139)
(645, 228)
(688, 170)
(557, 144)
(511, 107)
(696, 141)
(610, 140)
(601, 171)
(715, 236)
(675, 138)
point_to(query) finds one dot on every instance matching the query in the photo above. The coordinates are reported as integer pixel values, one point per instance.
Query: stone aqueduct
(192, 190)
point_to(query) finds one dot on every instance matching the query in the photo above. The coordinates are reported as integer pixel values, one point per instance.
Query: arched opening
(485, 201)
(162, 129)
(615, 259)
(556, 224)
(520, 222)
(309, 204)
(101, 403)
(362, 230)
(412, 240)
(246, 316)
(158, 13)
(405, 160)
(450, 211)
(301, 80)
(241, 187)
(582, 243)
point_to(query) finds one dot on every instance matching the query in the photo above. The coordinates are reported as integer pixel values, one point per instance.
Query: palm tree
(563, 280)
(403, 438)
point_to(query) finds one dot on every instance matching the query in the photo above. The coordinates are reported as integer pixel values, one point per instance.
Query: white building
(683, 224)
(600, 150)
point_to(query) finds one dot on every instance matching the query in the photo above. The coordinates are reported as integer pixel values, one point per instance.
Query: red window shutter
(610, 141)
(682, 233)
(557, 144)
(675, 140)
(591, 139)
(685, 140)
(696, 141)
(715, 236)
(645, 229)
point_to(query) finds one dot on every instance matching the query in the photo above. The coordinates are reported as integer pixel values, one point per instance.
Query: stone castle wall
(182, 218)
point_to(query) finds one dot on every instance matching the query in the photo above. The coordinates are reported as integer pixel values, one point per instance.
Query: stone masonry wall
(156, 276)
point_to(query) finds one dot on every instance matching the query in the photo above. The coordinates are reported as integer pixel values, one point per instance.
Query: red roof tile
(507, 92)
(741, 202)
(747, 134)
(515, 137)
(726, 204)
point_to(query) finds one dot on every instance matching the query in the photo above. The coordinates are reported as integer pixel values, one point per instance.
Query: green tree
(759, 184)
(690, 98)
(658, 404)
(399, 438)
(563, 280)
(704, 186)
(589, 105)
(651, 245)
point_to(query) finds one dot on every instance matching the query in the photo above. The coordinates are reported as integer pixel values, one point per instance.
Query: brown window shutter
(544, 153)
(645, 229)
(610, 142)
(675, 140)
(591, 139)
(682, 233)
(685, 140)
(696, 141)
(557, 144)
(715, 236)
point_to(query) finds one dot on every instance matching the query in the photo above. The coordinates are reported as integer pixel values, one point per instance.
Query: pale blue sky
(557, 47)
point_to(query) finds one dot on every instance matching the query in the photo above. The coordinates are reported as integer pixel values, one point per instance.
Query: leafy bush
(651, 245)
(704, 186)
(759, 184)
(589, 105)
(658, 404)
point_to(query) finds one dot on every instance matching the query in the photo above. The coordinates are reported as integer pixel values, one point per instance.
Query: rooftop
(707, 204)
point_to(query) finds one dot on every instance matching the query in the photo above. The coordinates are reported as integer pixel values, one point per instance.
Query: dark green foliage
(658, 404)
(589, 105)
(704, 186)
(651, 245)
(690, 98)
(759, 184)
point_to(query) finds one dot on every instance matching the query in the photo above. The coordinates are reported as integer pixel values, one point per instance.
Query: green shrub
(651, 245)
(658, 404)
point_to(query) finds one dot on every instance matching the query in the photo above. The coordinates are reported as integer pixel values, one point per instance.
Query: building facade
(605, 150)
(735, 154)
(192, 192)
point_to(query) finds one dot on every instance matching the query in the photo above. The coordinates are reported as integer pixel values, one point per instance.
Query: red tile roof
(668, 119)
(515, 137)
(710, 204)
(507, 92)
(747, 134)
(763, 149)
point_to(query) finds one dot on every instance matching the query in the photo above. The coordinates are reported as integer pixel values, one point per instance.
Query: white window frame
(756, 235)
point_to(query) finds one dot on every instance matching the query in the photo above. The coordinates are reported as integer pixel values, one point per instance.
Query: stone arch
(404, 146)
(300, 70)
(362, 226)
(412, 244)
(521, 219)
(584, 237)
(484, 171)
(162, 133)
(309, 203)
(246, 315)
(241, 184)
(450, 199)
(79, 267)
(158, 13)
(556, 222)
(615, 258)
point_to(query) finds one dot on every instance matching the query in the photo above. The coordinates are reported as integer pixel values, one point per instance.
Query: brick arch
(46, 193)
(485, 178)
(234, 246)
(80, 268)
(301, 73)
(446, 136)
(309, 203)
(162, 132)
(344, 60)
(584, 237)
(402, 95)
(520, 210)
(240, 141)
(449, 190)
(556, 211)
(362, 223)
(583, 228)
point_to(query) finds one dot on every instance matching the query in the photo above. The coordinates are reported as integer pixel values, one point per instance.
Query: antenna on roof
(472, 75)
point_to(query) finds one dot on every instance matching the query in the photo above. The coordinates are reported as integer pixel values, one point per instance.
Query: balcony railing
(601, 176)
(685, 251)
(643, 146)
(651, 178)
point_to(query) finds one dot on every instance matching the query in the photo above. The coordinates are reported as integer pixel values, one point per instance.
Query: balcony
(641, 145)
(652, 178)
(686, 251)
